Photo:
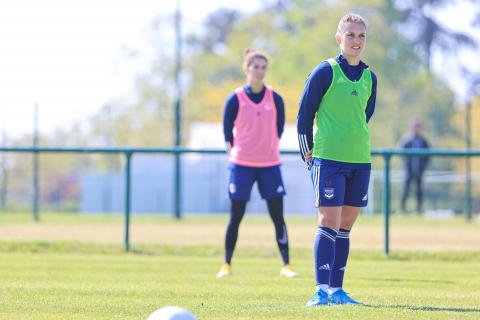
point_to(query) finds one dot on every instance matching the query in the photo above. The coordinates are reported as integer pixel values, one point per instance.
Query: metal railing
(128, 152)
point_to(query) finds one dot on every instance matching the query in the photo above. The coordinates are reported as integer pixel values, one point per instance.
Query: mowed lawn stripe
(77, 285)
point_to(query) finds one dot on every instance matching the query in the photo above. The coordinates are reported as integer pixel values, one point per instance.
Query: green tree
(417, 23)
(300, 34)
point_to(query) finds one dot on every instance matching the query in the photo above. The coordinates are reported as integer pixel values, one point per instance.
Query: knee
(328, 220)
(235, 220)
(349, 216)
(347, 224)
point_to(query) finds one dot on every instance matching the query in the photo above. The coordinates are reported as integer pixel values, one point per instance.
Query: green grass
(86, 280)
(91, 281)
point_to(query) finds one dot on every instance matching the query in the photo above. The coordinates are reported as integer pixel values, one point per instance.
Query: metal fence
(127, 152)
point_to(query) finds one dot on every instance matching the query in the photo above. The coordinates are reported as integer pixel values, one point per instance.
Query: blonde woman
(340, 96)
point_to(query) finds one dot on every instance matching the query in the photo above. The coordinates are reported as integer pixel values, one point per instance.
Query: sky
(458, 17)
(69, 57)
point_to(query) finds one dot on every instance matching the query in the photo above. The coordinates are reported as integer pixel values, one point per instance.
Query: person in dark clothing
(415, 166)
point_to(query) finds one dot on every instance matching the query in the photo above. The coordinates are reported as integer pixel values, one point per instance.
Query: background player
(257, 114)
(415, 166)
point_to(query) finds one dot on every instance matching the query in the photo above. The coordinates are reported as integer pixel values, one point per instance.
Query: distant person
(415, 166)
(253, 124)
(339, 95)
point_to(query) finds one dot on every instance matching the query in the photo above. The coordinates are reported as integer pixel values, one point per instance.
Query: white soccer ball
(171, 313)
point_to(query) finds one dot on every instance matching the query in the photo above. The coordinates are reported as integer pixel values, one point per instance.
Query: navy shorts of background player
(269, 182)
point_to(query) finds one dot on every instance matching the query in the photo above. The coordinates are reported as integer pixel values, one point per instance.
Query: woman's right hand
(308, 156)
(308, 159)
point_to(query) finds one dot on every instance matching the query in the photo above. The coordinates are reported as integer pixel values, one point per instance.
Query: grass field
(73, 267)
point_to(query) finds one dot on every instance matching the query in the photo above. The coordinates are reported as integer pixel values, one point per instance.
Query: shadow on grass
(424, 308)
(407, 280)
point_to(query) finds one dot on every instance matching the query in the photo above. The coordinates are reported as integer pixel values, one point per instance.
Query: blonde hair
(250, 54)
(350, 17)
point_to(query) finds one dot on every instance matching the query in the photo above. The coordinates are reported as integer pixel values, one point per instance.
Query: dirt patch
(363, 237)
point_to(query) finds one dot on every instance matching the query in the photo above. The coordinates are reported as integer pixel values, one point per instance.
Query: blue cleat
(320, 298)
(341, 297)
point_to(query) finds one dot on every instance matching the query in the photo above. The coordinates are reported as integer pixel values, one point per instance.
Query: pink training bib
(255, 134)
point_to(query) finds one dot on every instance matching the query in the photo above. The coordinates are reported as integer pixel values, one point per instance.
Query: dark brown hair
(250, 54)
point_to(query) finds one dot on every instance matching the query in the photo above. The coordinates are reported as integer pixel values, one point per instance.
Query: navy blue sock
(275, 209)
(324, 253)
(237, 210)
(342, 247)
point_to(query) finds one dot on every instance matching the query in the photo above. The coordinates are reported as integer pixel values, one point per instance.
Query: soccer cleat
(288, 272)
(320, 298)
(225, 271)
(341, 297)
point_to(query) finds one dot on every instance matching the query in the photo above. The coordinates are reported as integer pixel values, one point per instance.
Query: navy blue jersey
(231, 111)
(316, 86)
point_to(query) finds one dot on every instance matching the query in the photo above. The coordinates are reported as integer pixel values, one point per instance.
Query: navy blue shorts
(269, 182)
(338, 183)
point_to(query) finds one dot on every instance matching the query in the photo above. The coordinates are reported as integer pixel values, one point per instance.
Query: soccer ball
(171, 313)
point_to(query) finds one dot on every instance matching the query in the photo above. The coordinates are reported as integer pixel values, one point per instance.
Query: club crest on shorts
(329, 193)
(232, 188)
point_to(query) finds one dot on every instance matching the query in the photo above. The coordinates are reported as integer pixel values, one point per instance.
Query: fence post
(128, 156)
(178, 186)
(178, 109)
(386, 199)
(36, 187)
(468, 161)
